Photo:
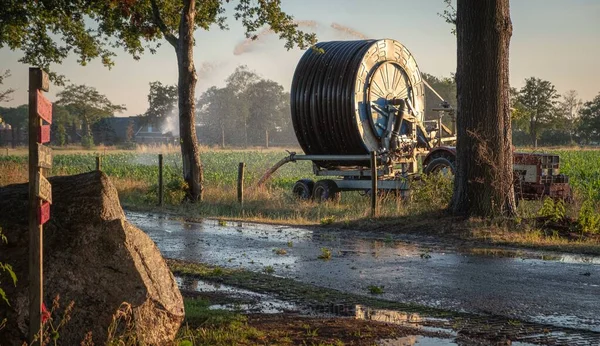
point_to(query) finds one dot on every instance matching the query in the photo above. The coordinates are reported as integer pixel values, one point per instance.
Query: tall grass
(135, 175)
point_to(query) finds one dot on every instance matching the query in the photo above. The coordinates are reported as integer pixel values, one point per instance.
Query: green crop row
(220, 167)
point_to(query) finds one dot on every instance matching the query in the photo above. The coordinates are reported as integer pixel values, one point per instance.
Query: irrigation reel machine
(358, 109)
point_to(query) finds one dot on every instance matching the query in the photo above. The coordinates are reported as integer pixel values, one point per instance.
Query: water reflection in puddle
(252, 302)
(349, 243)
(530, 255)
(416, 340)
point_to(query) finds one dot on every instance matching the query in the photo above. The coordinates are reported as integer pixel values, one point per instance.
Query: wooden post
(160, 179)
(240, 186)
(373, 184)
(98, 163)
(38, 79)
(267, 139)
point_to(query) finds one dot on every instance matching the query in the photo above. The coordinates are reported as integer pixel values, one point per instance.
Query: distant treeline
(540, 116)
(252, 111)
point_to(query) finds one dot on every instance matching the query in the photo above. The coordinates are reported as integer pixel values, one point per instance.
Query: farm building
(136, 129)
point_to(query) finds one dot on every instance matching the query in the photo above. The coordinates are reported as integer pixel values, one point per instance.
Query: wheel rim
(301, 191)
(388, 82)
(320, 193)
(443, 169)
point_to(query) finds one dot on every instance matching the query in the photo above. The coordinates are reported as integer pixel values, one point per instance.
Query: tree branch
(172, 39)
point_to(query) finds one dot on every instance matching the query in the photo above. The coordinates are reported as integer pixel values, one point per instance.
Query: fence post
(240, 186)
(160, 179)
(40, 195)
(373, 184)
(267, 139)
(98, 163)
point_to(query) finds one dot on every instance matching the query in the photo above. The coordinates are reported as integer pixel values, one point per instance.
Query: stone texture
(92, 256)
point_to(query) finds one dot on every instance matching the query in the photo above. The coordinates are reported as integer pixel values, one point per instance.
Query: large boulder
(93, 257)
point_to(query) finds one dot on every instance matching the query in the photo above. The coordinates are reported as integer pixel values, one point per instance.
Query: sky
(556, 40)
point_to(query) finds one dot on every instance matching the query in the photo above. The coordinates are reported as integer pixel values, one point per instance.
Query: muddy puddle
(236, 299)
(561, 290)
(427, 330)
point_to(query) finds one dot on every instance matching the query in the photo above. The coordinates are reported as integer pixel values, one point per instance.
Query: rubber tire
(326, 190)
(303, 189)
(437, 164)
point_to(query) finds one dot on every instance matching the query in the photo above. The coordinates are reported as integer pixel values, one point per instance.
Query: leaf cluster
(244, 109)
(161, 100)
(87, 103)
(47, 31)
(589, 122)
(449, 15)
(5, 94)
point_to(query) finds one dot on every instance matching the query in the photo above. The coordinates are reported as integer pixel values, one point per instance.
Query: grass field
(135, 175)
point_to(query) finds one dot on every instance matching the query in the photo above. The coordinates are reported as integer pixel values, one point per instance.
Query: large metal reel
(341, 93)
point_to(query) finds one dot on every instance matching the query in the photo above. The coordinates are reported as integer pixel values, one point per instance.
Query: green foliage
(280, 251)
(162, 100)
(552, 209)
(242, 112)
(17, 117)
(325, 254)
(5, 94)
(61, 135)
(327, 220)
(213, 327)
(87, 141)
(449, 15)
(375, 289)
(198, 313)
(173, 191)
(88, 106)
(589, 123)
(588, 218)
(57, 320)
(6, 268)
(61, 121)
(583, 169)
(538, 101)
(47, 32)
(432, 192)
(446, 87)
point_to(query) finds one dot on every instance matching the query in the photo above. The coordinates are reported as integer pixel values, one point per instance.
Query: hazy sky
(557, 40)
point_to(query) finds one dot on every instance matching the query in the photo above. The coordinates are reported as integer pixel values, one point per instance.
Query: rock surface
(93, 257)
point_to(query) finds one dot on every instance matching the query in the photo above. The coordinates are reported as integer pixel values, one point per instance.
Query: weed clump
(327, 220)
(375, 289)
(325, 254)
(431, 192)
(280, 251)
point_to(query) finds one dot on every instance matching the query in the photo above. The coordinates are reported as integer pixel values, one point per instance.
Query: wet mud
(538, 287)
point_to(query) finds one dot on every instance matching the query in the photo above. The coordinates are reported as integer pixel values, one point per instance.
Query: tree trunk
(86, 129)
(245, 132)
(533, 133)
(190, 152)
(222, 136)
(483, 182)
